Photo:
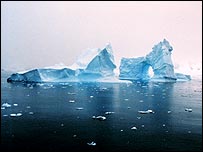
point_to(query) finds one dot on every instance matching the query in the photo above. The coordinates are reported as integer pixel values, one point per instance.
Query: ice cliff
(92, 65)
(160, 61)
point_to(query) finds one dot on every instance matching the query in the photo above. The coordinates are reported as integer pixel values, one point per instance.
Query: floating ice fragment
(13, 115)
(141, 101)
(146, 112)
(169, 111)
(71, 93)
(71, 101)
(28, 107)
(92, 143)
(134, 128)
(143, 126)
(31, 113)
(19, 114)
(129, 107)
(101, 118)
(126, 99)
(74, 136)
(2, 108)
(6, 105)
(189, 132)
(163, 125)
(15, 104)
(91, 96)
(79, 108)
(188, 109)
(5, 115)
(62, 125)
(108, 113)
(121, 130)
(138, 117)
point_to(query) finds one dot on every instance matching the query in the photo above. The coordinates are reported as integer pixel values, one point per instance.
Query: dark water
(55, 124)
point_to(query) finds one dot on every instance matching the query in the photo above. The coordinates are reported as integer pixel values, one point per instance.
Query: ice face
(134, 69)
(92, 65)
(159, 59)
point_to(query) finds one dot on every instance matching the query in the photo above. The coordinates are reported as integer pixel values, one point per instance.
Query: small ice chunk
(5, 115)
(150, 111)
(71, 93)
(163, 125)
(188, 109)
(146, 112)
(74, 136)
(31, 113)
(62, 125)
(15, 104)
(91, 96)
(169, 111)
(71, 101)
(92, 143)
(129, 107)
(28, 107)
(126, 99)
(2, 108)
(121, 130)
(134, 128)
(141, 101)
(143, 126)
(79, 108)
(6, 105)
(108, 113)
(19, 114)
(13, 115)
(16, 115)
(138, 117)
(101, 118)
(189, 132)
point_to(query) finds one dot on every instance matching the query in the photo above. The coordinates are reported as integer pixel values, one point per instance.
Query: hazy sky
(38, 34)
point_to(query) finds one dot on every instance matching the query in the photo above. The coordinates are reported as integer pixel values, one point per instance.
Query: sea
(138, 116)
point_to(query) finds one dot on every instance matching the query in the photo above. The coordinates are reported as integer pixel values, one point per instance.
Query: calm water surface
(59, 116)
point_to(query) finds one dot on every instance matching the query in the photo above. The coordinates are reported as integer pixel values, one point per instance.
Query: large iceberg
(159, 59)
(98, 65)
(92, 65)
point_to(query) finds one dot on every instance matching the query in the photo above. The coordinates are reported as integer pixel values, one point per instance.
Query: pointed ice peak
(165, 45)
(109, 47)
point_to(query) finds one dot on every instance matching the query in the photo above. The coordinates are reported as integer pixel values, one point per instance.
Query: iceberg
(159, 59)
(92, 65)
(98, 65)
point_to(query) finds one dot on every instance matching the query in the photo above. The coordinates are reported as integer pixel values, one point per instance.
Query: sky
(39, 34)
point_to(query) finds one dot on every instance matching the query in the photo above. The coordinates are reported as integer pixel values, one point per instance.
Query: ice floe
(6, 105)
(146, 112)
(108, 113)
(99, 117)
(92, 143)
(188, 109)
